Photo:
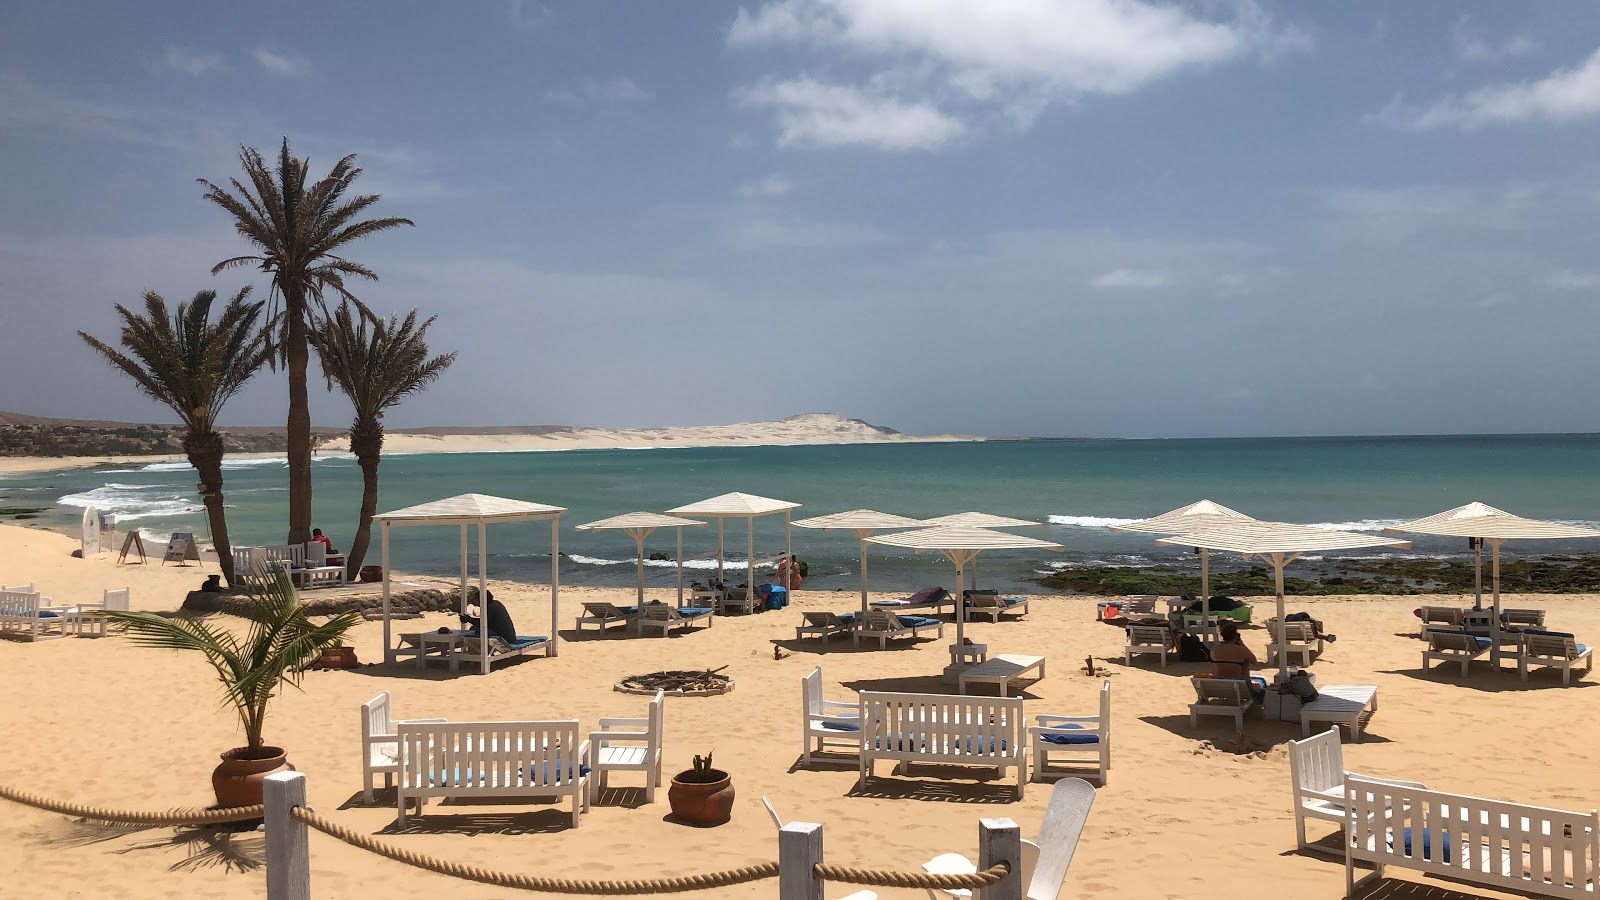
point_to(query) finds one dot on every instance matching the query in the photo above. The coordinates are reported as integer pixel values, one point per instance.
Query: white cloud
(1388, 214)
(775, 185)
(814, 114)
(1144, 279)
(1568, 280)
(1562, 96)
(184, 61)
(801, 234)
(1475, 48)
(280, 64)
(615, 90)
(1016, 57)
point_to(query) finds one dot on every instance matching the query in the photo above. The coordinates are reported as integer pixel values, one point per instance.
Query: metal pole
(1000, 840)
(799, 851)
(288, 855)
(750, 562)
(720, 576)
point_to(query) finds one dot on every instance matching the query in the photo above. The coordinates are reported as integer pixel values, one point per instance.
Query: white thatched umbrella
(862, 522)
(1279, 543)
(978, 520)
(960, 544)
(639, 526)
(1484, 522)
(1197, 516)
(740, 506)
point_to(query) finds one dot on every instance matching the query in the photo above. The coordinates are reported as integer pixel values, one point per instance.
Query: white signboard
(91, 532)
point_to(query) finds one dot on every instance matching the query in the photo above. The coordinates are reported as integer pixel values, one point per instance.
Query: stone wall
(402, 604)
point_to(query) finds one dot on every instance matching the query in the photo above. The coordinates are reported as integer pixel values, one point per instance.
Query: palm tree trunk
(366, 442)
(296, 349)
(204, 449)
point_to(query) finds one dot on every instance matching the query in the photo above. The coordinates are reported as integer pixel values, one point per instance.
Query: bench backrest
(1559, 647)
(1298, 632)
(823, 618)
(20, 604)
(658, 612)
(1447, 615)
(22, 588)
(602, 609)
(811, 692)
(375, 718)
(316, 553)
(462, 757)
(1235, 691)
(1548, 851)
(1523, 617)
(1149, 634)
(1139, 603)
(942, 724)
(1454, 641)
(1316, 763)
(115, 599)
(881, 620)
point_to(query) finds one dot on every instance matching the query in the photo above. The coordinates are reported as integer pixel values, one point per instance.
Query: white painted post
(1000, 840)
(555, 585)
(288, 857)
(799, 850)
(388, 642)
(483, 597)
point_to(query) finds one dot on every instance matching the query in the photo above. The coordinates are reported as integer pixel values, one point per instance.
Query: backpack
(1299, 684)
(1192, 649)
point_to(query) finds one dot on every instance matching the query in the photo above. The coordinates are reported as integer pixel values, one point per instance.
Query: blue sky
(1082, 217)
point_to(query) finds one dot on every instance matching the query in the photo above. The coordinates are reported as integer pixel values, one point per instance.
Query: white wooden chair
(883, 625)
(943, 729)
(1076, 736)
(1316, 777)
(1552, 649)
(25, 612)
(1147, 639)
(603, 615)
(1292, 639)
(628, 745)
(1220, 697)
(823, 721)
(1044, 862)
(1454, 646)
(824, 625)
(380, 745)
(663, 618)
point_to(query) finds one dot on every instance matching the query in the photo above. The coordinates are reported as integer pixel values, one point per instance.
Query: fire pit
(698, 683)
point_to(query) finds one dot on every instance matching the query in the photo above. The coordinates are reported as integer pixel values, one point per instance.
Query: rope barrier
(885, 878)
(104, 814)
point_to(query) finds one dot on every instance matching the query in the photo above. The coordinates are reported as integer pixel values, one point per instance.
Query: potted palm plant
(702, 795)
(274, 651)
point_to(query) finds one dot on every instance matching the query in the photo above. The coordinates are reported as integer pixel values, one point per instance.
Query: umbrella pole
(679, 529)
(1278, 562)
(1205, 572)
(638, 539)
(750, 560)
(463, 609)
(720, 576)
(861, 536)
(961, 608)
(483, 599)
(388, 644)
(1494, 550)
(555, 585)
(1477, 573)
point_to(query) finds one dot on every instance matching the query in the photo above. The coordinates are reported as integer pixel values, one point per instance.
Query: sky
(1016, 217)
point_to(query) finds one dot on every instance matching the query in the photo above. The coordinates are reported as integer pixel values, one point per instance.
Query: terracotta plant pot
(237, 780)
(338, 658)
(371, 574)
(701, 803)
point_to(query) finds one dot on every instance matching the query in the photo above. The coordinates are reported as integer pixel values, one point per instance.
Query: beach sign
(91, 532)
(133, 542)
(181, 548)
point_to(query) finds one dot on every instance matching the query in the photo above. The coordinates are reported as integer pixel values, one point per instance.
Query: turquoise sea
(1075, 487)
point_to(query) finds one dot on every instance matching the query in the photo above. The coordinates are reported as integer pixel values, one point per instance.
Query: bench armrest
(607, 738)
(628, 723)
(840, 704)
(1392, 782)
(1048, 721)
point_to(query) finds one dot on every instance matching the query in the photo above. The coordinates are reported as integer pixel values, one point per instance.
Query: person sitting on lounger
(499, 620)
(1232, 659)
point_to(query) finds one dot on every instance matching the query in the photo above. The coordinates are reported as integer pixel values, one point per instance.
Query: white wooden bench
(1454, 646)
(1340, 704)
(492, 759)
(939, 728)
(1504, 846)
(1000, 670)
(1560, 650)
(26, 613)
(1317, 776)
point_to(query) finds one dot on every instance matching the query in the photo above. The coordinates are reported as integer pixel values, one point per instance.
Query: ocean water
(1073, 488)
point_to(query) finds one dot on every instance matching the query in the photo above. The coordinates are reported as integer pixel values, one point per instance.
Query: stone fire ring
(624, 687)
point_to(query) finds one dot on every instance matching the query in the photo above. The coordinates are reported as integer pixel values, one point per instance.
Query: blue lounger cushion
(694, 612)
(1427, 844)
(467, 776)
(917, 621)
(842, 726)
(1088, 737)
(1013, 601)
(1542, 631)
(523, 643)
(49, 614)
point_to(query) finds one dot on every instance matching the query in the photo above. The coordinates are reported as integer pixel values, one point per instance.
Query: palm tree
(376, 369)
(193, 365)
(298, 230)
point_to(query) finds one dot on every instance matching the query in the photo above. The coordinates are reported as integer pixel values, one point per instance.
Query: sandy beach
(101, 721)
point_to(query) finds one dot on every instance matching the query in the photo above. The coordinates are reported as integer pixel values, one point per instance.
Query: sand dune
(105, 722)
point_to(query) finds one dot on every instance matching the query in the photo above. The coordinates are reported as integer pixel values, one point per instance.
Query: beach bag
(1192, 649)
(1299, 684)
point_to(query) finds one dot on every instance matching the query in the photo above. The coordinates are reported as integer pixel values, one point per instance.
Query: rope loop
(129, 817)
(885, 878)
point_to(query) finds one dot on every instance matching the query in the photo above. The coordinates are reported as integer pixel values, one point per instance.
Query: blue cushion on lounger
(1548, 633)
(1427, 844)
(977, 744)
(842, 726)
(903, 742)
(522, 642)
(627, 610)
(846, 618)
(1482, 642)
(1087, 738)
(691, 612)
(1580, 648)
(1013, 601)
(916, 621)
(49, 614)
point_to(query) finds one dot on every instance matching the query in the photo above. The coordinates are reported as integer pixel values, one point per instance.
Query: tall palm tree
(298, 231)
(193, 365)
(376, 368)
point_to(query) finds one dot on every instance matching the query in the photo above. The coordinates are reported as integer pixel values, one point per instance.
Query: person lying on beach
(1316, 625)
(499, 620)
(1232, 659)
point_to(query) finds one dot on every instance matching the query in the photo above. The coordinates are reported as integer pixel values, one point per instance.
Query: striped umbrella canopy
(640, 525)
(1197, 516)
(737, 505)
(1279, 543)
(961, 544)
(979, 520)
(862, 522)
(1485, 523)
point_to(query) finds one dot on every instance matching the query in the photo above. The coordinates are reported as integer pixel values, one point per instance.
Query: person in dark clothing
(500, 624)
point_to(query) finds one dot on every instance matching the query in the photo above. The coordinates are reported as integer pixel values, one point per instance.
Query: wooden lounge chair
(1075, 735)
(602, 615)
(825, 625)
(883, 625)
(663, 618)
(1454, 646)
(738, 599)
(628, 745)
(380, 744)
(498, 649)
(1045, 862)
(1554, 649)
(934, 598)
(1316, 776)
(991, 604)
(1527, 618)
(1448, 616)
(1292, 639)
(1139, 605)
(1220, 697)
(1147, 639)
(826, 724)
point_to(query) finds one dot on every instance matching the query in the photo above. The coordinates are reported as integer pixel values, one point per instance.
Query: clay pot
(371, 574)
(237, 780)
(701, 803)
(338, 658)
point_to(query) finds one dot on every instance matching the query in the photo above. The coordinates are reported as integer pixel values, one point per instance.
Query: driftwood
(678, 680)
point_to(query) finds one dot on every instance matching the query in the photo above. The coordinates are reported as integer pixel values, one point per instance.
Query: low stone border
(406, 604)
(621, 688)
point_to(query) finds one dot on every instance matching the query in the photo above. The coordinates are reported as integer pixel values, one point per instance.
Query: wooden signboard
(181, 548)
(133, 542)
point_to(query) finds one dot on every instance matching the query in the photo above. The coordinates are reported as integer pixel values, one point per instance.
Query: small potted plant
(702, 795)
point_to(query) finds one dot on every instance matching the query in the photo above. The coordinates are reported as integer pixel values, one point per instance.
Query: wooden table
(999, 670)
(1340, 704)
(446, 644)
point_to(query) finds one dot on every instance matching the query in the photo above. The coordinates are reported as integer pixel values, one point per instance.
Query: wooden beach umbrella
(1496, 526)
(639, 525)
(480, 510)
(1278, 543)
(979, 520)
(960, 544)
(1197, 516)
(862, 522)
(740, 506)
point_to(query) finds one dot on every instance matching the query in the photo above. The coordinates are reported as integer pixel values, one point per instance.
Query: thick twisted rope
(669, 885)
(886, 878)
(105, 814)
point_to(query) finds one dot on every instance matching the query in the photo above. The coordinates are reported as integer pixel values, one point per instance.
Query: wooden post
(799, 850)
(388, 641)
(555, 585)
(288, 857)
(1001, 840)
